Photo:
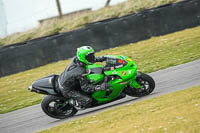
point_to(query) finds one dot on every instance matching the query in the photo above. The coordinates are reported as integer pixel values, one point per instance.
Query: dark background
(100, 35)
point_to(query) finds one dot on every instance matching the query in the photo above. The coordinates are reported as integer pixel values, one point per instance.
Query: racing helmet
(85, 54)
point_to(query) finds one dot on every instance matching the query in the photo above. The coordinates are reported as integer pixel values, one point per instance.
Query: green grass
(150, 55)
(78, 20)
(177, 112)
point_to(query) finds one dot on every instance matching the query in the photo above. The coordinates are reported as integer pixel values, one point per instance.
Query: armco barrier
(100, 35)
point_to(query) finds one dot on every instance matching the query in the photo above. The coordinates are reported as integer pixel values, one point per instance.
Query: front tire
(147, 86)
(57, 107)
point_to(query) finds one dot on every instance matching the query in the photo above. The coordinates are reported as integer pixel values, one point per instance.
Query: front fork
(134, 83)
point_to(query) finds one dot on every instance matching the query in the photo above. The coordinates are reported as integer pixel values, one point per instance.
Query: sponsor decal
(122, 83)
(124, 73)
(123, 57)
(128, 59)
(119, 66)
(112, 68)
(114, 72)
(129, 71)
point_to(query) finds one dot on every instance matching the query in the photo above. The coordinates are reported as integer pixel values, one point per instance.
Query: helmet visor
(90, 57)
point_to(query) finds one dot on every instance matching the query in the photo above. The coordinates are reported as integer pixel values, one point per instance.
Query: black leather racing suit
(74, 73)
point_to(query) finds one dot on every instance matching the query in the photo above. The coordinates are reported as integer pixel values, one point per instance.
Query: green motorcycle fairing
(126, 73)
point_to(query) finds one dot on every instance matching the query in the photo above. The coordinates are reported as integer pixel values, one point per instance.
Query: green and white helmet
(85, 54)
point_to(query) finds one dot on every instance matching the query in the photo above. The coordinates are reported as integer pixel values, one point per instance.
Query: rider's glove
(101, 87)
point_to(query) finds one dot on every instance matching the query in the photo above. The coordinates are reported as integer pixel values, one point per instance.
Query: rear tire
(57, 107)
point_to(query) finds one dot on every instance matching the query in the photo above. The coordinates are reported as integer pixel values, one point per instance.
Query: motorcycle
(120, 72)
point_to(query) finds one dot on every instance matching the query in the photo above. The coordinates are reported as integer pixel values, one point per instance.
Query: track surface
(32, 119)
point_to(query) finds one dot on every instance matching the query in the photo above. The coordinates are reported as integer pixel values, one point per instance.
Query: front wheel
(57, 107)
(147, 86)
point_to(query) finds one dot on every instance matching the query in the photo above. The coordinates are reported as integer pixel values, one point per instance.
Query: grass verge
(150, 55)
(78, 20)
(174, 113)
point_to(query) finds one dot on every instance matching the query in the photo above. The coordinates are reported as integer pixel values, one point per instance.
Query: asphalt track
(32, 119)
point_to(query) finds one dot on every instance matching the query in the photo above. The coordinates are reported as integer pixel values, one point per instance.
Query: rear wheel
(57, 107)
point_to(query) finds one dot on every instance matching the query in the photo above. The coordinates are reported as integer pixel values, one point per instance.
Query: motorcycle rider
(75, 73)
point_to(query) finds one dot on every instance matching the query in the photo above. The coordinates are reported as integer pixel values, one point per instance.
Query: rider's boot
(76, 104)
